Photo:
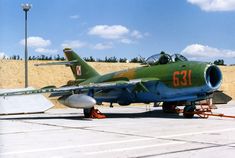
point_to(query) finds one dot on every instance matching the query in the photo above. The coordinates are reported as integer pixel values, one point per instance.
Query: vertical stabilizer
(81, 70)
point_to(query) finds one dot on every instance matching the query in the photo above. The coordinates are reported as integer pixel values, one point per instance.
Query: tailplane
(81, 70)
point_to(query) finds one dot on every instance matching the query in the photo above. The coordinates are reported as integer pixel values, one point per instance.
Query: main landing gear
(189, 110)
(93, 113)
(171, 107)
(203, 111)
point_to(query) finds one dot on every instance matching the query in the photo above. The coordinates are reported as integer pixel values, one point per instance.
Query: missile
(78, 101)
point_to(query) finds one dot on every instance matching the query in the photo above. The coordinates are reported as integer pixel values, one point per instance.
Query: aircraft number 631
(182, 78)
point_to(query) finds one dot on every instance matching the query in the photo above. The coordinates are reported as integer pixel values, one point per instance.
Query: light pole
(26, 8)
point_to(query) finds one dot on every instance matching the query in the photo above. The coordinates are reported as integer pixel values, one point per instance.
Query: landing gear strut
(203, 111)
(171, 107)
(93, 113)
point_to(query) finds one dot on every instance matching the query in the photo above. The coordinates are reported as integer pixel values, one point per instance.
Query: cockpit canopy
(163, 58)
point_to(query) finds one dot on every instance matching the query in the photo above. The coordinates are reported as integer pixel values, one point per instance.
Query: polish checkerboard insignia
(78, 70)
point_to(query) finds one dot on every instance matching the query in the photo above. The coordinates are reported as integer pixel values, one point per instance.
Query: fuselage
(176, 81)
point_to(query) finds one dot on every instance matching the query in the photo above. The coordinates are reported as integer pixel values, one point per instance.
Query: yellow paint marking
(129, 73)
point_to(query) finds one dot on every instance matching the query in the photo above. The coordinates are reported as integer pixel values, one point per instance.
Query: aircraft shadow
(147, 114)
(75, 116)
(32, 117)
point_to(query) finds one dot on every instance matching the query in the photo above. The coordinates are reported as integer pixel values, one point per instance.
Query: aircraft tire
(87, 112)
(189, 109)
(168, 107)
(124, 104)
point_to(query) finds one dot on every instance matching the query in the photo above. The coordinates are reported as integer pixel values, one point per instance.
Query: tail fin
(81, 70)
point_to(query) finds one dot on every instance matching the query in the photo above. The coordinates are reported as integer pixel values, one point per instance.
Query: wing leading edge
(138, 85)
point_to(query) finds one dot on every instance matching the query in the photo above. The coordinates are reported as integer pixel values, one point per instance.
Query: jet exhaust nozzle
(213, 77)
(78, 101)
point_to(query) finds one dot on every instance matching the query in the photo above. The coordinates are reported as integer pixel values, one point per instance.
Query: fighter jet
(170, 79)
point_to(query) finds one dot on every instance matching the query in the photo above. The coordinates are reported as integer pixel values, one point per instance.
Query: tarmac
(130, 131)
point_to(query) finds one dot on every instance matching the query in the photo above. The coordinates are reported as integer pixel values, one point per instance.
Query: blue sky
(199, 29)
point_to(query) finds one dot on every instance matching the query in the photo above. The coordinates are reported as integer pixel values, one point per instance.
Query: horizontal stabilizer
(220, 98)
(66, 63)
(23, 104)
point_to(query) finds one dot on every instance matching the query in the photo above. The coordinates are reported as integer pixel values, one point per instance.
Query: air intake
(213, 77)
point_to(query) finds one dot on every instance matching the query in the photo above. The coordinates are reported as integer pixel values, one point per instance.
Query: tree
(17, 57)
(50, 58)
(90, 59)
(135, 60)
(13, 57)
(100, 60)
(111, 59)
(43, 57)
(62, 58)
(219, 62)
(123, 60)
(57, 57)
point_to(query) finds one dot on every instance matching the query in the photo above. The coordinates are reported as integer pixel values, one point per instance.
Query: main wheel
(188, 111)
(169, 107)
(87, 112)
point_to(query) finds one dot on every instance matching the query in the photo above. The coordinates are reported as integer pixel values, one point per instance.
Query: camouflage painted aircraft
(170, 79)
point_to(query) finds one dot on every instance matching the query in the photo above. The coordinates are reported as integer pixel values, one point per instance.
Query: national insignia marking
(78, 70)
